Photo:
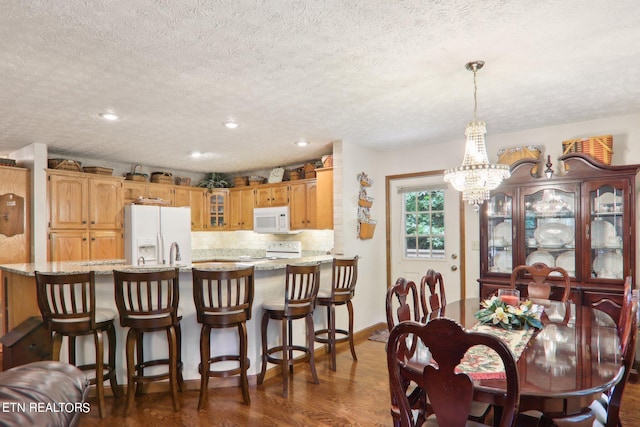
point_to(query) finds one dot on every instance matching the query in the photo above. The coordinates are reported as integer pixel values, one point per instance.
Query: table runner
(481, 363)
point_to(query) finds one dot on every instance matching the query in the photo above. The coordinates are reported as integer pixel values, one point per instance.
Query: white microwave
(271, 220)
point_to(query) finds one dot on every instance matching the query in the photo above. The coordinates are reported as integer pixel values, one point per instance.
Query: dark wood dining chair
(437, 297)
(223, 299)
(343, 285)
(402, 303)
(301, 290)
(67, 303)
(540, 287)
(147, 302)
(449, 393)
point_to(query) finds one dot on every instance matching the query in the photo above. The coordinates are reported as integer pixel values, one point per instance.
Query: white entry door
(425, 229)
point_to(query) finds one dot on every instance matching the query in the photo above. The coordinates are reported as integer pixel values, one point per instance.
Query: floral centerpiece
(496, 312)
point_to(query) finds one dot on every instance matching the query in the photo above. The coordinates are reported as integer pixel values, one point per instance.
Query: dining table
(563, 367)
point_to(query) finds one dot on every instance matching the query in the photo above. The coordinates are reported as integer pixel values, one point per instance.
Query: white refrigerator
(150, 231)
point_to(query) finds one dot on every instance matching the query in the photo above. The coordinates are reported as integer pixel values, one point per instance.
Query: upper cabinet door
(105, 203)
(67, 202)
(608, 230)
(498, 242)
(551, 218)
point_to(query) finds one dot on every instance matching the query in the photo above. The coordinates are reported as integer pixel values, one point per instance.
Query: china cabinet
(582, 220)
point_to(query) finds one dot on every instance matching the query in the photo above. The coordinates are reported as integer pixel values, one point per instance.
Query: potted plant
(214, 180)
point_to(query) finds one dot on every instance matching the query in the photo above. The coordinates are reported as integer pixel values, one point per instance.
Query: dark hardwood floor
(356, 395)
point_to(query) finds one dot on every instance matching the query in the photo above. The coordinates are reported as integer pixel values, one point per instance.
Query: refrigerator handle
(161, 246)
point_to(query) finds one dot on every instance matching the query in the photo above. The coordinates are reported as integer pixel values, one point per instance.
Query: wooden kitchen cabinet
(105, 203)
(68, 245)
(272, 195)
(241, 204)
(68, 201)
(182, 196)
(303, 205)
(324, 178)
(85, 212)
(164, 192)
(583, 221)
(217, 203)
(198, 201)
(133, 190)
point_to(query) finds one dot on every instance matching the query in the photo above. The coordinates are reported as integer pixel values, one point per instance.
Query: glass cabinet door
(217, 203)
(606, 204)
(500, 239)
(550, 228)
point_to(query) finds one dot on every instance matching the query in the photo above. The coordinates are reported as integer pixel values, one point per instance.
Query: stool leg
(205, 350)
(285, 358)
(173, 366)
(140, 360)
(244, 363)
(263, 369)
(181, 386)
(72, 349)
(331, 309)
(310, 341)
(290, 345)
(99, 346)
(111, 336)
(56, 345)
(353, 348)
(132, 337)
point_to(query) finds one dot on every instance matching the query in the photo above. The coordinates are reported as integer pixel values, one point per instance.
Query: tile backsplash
(314, 242)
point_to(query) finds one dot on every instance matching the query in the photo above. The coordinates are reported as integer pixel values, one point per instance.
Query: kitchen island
(21, 303)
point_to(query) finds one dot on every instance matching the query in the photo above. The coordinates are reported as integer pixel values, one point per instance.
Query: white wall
(626, 147)
(371, 288)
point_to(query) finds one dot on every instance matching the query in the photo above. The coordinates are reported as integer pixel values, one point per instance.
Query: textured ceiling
(379, 73)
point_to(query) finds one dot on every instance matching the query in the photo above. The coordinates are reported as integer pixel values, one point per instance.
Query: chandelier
(476, 177)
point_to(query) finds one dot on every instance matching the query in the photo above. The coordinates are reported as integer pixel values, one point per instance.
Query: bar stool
(301, 289)
(343, 285)
(223, 299)
(148, 302)
(67, 303)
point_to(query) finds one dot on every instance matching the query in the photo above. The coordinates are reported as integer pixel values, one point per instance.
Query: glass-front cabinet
(607, 230)
(499, 228)
(550, 226)
(582, 220)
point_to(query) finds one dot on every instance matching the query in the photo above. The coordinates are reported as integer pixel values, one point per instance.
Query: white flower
(499, 315)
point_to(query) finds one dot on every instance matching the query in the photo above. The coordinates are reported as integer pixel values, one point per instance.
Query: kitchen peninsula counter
(21, 303)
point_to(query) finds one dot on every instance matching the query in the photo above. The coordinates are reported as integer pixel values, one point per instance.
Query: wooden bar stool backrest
(343, 279)
(437, 297)
(223, 297)
(540, 287)
(67, 301)
(449, 393)
(301, 289)
(406, 295)
(147, 299)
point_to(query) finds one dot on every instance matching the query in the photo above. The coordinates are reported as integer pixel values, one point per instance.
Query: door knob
(454, 268)
(454, 256)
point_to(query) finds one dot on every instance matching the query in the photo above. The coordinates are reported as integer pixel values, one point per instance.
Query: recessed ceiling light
(108, 115)
(230, 124)
(195, 154)
(302, 143)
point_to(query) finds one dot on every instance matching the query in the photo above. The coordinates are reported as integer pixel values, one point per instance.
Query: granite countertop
(107, 266)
